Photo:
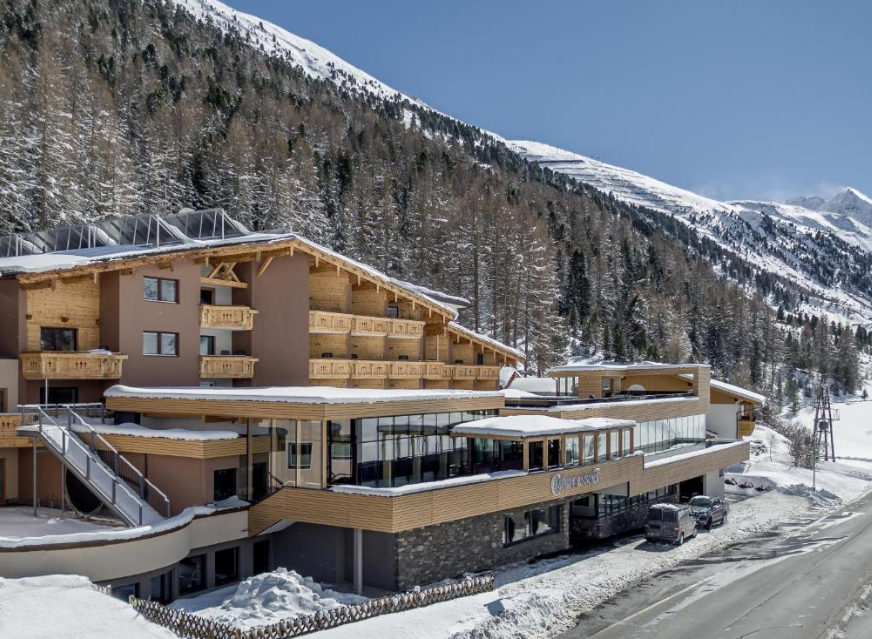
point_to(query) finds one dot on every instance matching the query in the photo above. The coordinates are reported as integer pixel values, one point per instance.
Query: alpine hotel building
(239, 401)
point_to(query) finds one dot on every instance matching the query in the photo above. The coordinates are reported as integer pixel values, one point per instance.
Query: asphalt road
(808, 579)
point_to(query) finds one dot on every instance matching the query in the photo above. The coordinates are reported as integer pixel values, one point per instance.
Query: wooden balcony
(324, 322)
(370, 326)
(236, 318)
(9, 424)
(489, 373)
(406, 370)
(71, 365)
(369, 369)
(330, 368)
(745, 427)
(227, 366)
(437, 370)
(406, 329)
(464, 372)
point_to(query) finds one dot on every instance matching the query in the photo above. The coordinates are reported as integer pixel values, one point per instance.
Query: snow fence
(190, 626)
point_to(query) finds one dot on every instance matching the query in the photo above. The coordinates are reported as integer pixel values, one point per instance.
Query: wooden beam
(209, 281)
(264, 266)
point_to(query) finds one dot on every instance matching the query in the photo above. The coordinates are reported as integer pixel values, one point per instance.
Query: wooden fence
(190, 626)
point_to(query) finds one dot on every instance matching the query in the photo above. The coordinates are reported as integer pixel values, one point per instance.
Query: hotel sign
(559, 483)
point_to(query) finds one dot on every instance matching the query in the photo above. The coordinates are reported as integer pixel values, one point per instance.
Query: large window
(615, 444)
(409, 449)
(572, 451)
(489, 455)
(589, 449)
(192, 574)
(59, 395)
(224, 484)
(601, 450)
(666, 434)
(226, 565)
(158, 343)
(158, 289)
(553, 453)
(537, 455)
(58, 339)
(519, 527)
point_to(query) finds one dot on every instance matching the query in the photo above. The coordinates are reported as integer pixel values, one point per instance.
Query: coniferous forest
(120, 107)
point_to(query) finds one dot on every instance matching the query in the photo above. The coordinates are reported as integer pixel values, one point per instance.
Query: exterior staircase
(95, 462)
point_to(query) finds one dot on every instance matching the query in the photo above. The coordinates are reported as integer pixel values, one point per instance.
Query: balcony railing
(464, 372)
(408, 329)
(406, 370)
(324, 322)
(488, 373)
(746, 426)
(236, 318)
(330, 368)
(375, 326)
(364, 325)
(369, 369)
(437, 371)
(71, 365)
(227, 366)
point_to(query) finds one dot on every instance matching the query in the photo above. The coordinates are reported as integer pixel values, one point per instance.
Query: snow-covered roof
(587, 367)
(183, 434)
(445, 298)
(506, 375)
(538, 385)
(599, 404)
(295, 394)
(744, 393)
(422, 487)
(457, 328)
(524, 426)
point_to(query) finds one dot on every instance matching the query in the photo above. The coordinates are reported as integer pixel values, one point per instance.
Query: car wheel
(681, 539)
(708, 524)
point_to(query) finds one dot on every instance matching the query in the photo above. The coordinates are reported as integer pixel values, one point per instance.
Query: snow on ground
(18, 522)
(266, 599)
(68, 607)
(546, 597)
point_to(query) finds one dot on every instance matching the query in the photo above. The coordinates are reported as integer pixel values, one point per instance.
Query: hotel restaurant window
(409, 449)
(491, 455)
(666, 434)
(553, 453)
(572, 450)
(601, 449)
(158, 289)
(519, 527)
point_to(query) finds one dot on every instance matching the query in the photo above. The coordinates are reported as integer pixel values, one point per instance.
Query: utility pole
(823, 425)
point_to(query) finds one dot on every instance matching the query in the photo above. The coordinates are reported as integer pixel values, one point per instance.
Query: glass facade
(665, 434)
(409, 449)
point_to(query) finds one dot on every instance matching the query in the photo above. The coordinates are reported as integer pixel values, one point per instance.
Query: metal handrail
(68, 437)
(145, 484)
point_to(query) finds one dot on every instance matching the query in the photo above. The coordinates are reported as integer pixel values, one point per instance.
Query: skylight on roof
(142, 230)
(208, 224)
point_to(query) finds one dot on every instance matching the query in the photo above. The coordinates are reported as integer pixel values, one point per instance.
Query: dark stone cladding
(432, 553)
(632, 518)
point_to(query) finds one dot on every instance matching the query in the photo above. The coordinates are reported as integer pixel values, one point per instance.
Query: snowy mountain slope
(822, 253)
(789, 242)
(314, 60)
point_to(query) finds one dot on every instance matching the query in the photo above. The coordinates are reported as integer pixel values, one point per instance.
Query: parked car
(709, 511)
(671, 523)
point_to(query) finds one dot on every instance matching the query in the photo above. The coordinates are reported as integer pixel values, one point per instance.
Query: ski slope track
(819, 251)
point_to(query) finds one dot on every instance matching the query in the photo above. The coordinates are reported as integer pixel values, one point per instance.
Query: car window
(669, 516)
(701, 502)
(654, 514)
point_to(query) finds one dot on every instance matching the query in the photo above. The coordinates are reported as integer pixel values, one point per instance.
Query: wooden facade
(391, 514)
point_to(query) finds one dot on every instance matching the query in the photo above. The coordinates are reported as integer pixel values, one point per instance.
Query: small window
(224, 484)
(305, 457)
(58, 339)
(207, 344)
(161, 588)
(207, 296)
(157, 343)
(158, 289)
(393, 311)
(226, 565)
(192, 574)
(125, 592)
(572, 451)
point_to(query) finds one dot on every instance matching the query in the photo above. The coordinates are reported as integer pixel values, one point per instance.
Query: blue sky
(741, 99)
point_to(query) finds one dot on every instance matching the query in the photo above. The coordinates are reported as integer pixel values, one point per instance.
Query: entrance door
(59, 395)
(260, 558)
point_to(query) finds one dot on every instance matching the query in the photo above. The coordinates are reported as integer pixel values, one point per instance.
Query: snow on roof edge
(488, 340)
